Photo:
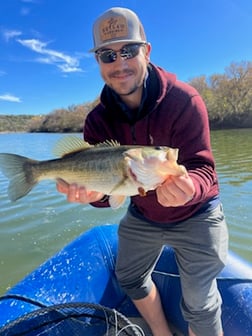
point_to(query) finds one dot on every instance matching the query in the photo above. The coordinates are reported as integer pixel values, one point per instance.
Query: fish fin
(68, 145)
(73, 144)
(116, 201)
(108, 143)
(118, 185)
(21, 181)
(141, 191)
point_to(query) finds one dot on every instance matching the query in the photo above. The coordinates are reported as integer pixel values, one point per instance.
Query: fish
(115, 170)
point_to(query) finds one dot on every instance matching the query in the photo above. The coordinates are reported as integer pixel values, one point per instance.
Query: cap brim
(93, 50)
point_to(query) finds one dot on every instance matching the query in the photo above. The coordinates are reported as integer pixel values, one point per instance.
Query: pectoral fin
(141, 191)
(116, 201)
(118, 185)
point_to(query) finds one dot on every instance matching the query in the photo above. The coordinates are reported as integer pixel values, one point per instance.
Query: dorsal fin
(69, 144)
(108, 143)
(72, 144)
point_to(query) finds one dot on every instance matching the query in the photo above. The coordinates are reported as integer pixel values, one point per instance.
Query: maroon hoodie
(173, 114)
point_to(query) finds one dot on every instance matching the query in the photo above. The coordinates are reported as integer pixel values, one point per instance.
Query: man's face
(124, 75)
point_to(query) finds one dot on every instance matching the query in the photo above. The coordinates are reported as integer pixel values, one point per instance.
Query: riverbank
(58, 123)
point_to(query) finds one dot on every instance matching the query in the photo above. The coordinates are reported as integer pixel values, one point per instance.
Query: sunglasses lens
(130, 51)
(127, 52)
(107, 56)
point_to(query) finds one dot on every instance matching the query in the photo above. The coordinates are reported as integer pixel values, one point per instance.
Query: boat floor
(145, 328)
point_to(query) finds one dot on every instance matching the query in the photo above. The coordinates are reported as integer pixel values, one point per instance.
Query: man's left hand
(176, 191)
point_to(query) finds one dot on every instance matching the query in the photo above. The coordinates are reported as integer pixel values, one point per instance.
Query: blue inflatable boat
(83, 272)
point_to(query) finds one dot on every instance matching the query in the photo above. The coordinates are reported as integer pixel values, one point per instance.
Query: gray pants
(200, 244)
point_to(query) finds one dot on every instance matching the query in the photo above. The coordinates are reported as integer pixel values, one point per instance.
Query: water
(37, 226)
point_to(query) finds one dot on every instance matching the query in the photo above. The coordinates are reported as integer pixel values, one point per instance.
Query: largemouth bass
(115, 170)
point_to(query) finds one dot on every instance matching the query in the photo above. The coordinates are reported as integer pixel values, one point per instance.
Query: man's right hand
(78, 194)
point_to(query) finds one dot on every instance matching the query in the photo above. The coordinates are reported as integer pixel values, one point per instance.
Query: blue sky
(44, 59)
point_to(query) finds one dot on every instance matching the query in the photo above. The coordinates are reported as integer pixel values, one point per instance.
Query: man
(143, 104)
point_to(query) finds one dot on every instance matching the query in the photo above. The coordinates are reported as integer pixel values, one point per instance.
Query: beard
(123, 88)
(131, 91)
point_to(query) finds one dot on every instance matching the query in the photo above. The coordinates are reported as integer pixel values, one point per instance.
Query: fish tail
(18, 170)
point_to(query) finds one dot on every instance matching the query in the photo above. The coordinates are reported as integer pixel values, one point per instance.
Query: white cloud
(68, 68)
(10, 34)
(10, 98)
(63, 61)
(33, 44)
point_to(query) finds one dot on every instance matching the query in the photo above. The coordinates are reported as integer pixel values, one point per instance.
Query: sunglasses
(128, 51)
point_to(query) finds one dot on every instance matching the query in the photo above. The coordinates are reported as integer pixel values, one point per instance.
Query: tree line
(228, 98)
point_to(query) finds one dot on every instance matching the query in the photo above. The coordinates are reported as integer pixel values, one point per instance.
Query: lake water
(38, 225)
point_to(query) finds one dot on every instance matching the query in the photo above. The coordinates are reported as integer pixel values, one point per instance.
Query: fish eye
(158, 147)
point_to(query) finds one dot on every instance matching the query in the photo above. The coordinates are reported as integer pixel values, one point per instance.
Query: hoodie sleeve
(192, 136)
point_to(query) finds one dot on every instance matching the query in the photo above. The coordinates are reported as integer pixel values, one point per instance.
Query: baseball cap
(117, 24)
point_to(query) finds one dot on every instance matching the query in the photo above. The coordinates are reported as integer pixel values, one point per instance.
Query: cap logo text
(114, 27)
